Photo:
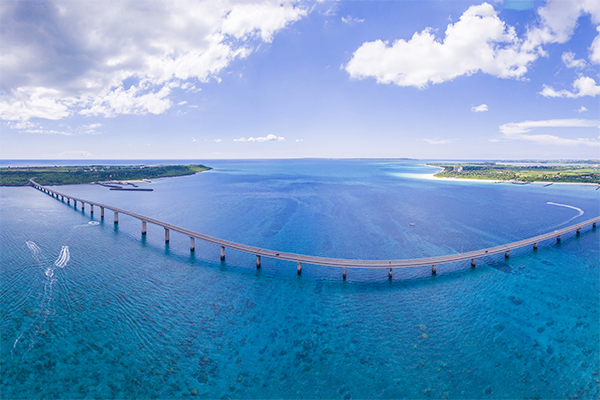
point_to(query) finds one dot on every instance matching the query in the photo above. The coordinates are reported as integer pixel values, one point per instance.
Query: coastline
(432, 176)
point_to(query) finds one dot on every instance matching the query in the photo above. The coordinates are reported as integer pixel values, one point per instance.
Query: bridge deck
(337, 262)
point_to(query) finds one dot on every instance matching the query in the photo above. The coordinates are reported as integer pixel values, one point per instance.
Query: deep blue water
(90, 310)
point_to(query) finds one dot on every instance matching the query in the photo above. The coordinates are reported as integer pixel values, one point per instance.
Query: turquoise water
(90, 310)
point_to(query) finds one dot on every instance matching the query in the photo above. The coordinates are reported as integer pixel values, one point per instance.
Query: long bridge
(332, 262)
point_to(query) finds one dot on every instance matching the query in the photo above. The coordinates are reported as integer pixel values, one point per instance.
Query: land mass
(93, 173)
(522, 173)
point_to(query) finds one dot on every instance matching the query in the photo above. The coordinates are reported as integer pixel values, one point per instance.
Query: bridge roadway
(332, 262)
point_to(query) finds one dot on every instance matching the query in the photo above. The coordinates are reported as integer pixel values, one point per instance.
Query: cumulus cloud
(479, 42)
(581, 109)
(32, 127)
(569, 59)
(480, 108)
(520, 131)
(437, 141)
(584, 86)
(66, 57)
(595, 48)
(218, 140)
(268, 138)
(352, 20)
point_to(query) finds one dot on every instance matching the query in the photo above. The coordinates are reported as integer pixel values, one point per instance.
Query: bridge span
(332, 262)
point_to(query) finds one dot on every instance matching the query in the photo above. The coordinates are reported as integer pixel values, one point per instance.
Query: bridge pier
(143, 227)
(594, 225)
(192, 244)
(75, 204)
(535, 246)
(222, 253)
(82, 206)
(299, 268)
(433, 270)
(257, 261)
(473, 262)
(166, 235)
(68, 200)
(578, 231)
(101, 212)
(116, 217)
(558, 239)
(390, 273)
(506, 253)
(92, 209)
(344, 273)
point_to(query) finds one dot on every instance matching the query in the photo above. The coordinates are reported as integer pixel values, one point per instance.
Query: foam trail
(63, 257)
(33, 247)
(568, 206)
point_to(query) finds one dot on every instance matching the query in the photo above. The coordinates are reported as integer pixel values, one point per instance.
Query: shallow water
(89, 309)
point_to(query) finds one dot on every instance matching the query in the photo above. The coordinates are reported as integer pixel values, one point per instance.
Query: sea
(93, 309)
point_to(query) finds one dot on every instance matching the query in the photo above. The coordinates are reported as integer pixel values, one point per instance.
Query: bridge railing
(332, 262)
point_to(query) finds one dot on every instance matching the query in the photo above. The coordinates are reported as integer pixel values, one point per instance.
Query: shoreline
(433, 177)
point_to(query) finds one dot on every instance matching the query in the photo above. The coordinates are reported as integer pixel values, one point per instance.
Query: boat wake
(29, 336)
(581, 212)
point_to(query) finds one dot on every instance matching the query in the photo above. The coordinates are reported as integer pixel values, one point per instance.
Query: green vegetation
(93, 173)
(522, 173)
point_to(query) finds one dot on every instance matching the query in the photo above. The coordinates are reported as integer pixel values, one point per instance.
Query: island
(67, 175)
(584, 171)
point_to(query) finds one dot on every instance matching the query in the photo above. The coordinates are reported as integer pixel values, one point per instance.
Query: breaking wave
(581, 212)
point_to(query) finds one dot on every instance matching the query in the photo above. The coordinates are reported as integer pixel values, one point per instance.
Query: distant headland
(68, 175)
(586, 172)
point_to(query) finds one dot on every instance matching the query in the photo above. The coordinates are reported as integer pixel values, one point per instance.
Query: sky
(443, 79)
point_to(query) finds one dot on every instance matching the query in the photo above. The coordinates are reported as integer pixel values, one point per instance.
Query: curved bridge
(332, 262)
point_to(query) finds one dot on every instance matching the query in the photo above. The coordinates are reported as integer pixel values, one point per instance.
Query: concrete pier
(594, 225)
(75, 204)
(578, 231)
(101, 212)
(143, 227)
(558, 238)
(92, 209)
(299, 268)
(192, 244)
(344, 273)
(82, 206)
(222, 253)
(472, 262)
(257, 262)
(166, 235)
(506, 253)
(390, 273)
(535, 246)
(433, 270)
(116, 217)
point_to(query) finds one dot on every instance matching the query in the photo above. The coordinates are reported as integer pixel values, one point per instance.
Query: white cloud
(520, 131)
(581, 109)
(436, 141)
(268, 138)
(585, 86)
(31, 127)
(478, 42)
(218, 140)
(480, 108)
(194, 139)
(570, 61)
(299, 140)
(352, 20)
(84, 57)
(595, 48)
(181, 103)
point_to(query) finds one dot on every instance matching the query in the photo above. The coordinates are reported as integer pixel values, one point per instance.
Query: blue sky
(289, 79)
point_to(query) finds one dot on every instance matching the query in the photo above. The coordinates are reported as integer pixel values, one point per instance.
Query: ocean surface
(90, 309)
